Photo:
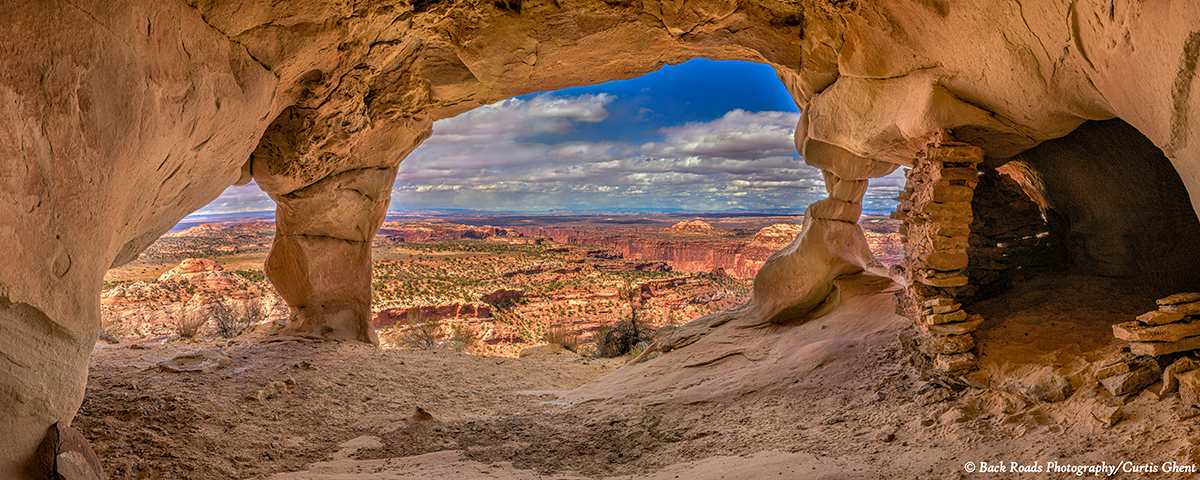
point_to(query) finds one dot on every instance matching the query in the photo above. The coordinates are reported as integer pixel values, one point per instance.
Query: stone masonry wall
(936, 210)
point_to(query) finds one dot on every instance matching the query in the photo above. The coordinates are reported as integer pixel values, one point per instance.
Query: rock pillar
(936, 209)
(321, 259)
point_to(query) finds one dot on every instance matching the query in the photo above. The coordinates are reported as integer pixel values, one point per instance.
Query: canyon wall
(119, 118)
(740, 257)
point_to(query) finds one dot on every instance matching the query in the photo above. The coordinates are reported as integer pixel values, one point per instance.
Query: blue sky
(700, 136)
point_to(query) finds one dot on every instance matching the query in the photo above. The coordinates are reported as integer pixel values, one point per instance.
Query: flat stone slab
(1159, 317)
(1178, 298)
(1171, 332)
(957, 363)
(1184, 308)
(949, 317)
(1164, 348)
(959, 328)
(203, 361)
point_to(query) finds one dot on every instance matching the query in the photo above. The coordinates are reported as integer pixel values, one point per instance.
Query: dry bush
(111, 328)
(462, 337)
(189, 321)
(618, 340)
(423, 330)
(231, 322)
(562, 336)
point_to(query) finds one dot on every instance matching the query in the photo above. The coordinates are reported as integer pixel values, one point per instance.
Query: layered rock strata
(936, 209)
(118, 119)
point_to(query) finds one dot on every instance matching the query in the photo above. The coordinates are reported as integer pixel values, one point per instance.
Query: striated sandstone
(118, 120)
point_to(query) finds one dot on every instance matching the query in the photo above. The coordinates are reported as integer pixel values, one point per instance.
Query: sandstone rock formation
(690, 226)
(117, 119)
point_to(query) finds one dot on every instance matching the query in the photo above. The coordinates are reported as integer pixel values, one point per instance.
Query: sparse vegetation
(233, 321)
(562, 336)
(423, 330)
(462, 337)
(617, 340)
(189, 320)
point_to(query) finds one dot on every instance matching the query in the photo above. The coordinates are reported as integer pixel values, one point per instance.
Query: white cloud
(516, 118)
(737, 135)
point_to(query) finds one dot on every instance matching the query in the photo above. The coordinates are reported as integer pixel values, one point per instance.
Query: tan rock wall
(119, 118)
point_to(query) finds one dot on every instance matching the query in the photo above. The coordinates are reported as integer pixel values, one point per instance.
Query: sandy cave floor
(833, 399)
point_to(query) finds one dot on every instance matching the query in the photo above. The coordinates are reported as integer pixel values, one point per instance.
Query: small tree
(631, 293)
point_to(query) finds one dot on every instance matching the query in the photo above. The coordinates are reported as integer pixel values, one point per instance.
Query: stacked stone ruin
(1162, 337)
(936, 210)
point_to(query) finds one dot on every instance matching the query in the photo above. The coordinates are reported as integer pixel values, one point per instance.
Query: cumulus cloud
(487, 159)
(738, 135)
(516, 118)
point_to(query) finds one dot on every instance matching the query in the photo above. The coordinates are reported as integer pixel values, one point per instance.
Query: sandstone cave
(117, 120)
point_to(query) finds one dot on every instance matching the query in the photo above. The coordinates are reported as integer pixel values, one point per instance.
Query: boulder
(1189, 387)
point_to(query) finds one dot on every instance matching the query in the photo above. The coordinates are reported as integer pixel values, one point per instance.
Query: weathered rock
(1155, 349)
(203, 361)
(1189, 387)
(956, 363)
(1112, 370)
(1170, 375)
(1134, 381)
(942, 318)
(340, 87)
(1171, 332)
(1179, 298)
(1159, 317)
(938, 302)
(74, 458)
(959, 328)
(945, 345)
(690, 226)
(1108, 415)
(941, 280)
(1183, 308)
(502, 297)
(944, 308)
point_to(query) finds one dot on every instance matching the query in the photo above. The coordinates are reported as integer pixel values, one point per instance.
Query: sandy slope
(832, 398)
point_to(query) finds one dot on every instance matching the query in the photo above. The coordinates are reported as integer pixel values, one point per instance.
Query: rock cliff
(119, 118)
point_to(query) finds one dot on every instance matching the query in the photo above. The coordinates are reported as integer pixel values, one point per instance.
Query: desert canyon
(1042, 309)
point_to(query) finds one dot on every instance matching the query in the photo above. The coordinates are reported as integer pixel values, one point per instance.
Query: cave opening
(664, 148)
(1069, 238)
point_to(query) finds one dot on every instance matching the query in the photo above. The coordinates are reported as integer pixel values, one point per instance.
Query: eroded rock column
(321, 259)
(936, 210)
